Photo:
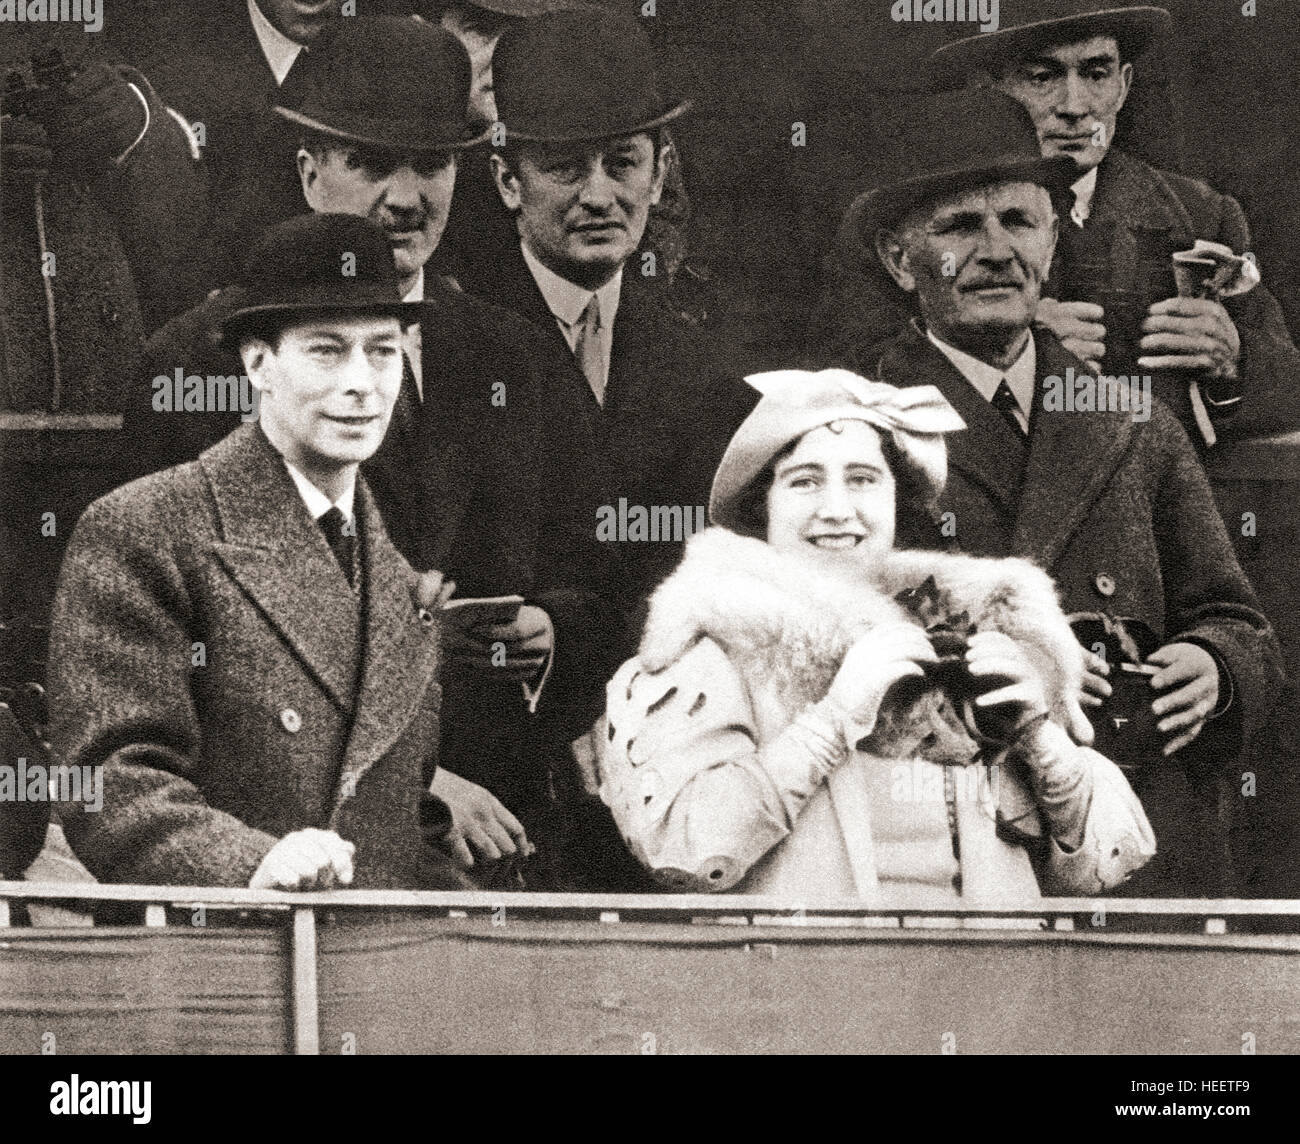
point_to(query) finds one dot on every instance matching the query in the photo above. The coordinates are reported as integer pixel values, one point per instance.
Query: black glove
(100, 119)
(25, 154)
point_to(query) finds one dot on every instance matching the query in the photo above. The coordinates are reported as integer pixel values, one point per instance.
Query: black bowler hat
(954, 141)
(313, 264)
(385, 81)
(1040, 23)
(578, 76)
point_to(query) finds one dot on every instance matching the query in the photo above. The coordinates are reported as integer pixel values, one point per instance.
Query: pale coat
(740, 641)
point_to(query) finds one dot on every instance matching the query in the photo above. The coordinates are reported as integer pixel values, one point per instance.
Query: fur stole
(786, 620)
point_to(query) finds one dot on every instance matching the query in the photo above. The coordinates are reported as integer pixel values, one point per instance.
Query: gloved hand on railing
(305, 860)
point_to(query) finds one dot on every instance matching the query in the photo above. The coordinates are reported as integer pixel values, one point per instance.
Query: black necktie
(1004, 401)
(342, 544)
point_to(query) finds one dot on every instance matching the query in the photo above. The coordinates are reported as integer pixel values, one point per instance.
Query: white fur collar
(787, 620)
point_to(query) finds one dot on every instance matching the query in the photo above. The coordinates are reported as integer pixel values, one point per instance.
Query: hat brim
(761, 437)
(594, 133)
(1135, 27)
(238, 322)
(393, 136)
(884, 206)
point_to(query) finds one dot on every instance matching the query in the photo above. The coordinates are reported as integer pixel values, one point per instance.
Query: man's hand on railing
(305, 860)
(482, 827)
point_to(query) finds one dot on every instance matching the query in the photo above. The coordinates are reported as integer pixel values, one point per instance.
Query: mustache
(392, 220)
(986, 281)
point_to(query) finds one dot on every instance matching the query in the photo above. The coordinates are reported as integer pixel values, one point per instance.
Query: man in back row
(584, 162)
(1224, 366)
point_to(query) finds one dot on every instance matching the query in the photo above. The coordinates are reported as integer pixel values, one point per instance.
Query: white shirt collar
(280, 51)
(566, 300)
(417, 291)
(1083, 188)
(1020, 375)
(318, 504)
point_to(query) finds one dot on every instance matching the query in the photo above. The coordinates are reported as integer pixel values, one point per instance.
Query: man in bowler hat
(237, 642)
(1112, 502)
(584, 162)
(1226, 367)
(479, 227)
(483, 473)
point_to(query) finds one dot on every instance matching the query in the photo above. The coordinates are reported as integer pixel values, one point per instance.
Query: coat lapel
(1072, 457)
(280, 558)
(987, 452)
(1141, 213)
(400, 655)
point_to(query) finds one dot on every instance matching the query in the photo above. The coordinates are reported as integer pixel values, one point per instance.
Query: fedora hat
(1043, 22)
(297, 267)
(578, 76)
(954, 141)
(386, 81)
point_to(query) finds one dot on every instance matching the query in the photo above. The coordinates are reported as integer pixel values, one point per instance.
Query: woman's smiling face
(833, 494)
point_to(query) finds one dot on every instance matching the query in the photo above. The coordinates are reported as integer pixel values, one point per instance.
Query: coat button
(1105, 584)
(426, 617)
(290, 720)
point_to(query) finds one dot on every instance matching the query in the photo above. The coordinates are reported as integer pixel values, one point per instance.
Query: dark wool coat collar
(1071, 457)
(1134, 194)
(279, 556)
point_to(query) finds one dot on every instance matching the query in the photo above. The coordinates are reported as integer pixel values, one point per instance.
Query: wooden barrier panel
(546, 987)
(117, 990)
(226, 970)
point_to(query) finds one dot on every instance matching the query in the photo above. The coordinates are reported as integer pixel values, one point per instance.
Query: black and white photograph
(650, 527)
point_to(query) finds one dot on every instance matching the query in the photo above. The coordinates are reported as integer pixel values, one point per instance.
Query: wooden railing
(483, 936)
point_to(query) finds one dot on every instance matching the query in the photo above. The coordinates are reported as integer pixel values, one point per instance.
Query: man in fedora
(484, 472)
(582, 166)
(1109, 498)
(1224, 366)
(236, 641)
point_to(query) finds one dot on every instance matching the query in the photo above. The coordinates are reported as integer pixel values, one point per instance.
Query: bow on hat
(916, 409)
(916, 415)
(797, 401)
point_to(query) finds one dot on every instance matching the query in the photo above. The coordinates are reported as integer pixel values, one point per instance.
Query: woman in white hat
(815, 711)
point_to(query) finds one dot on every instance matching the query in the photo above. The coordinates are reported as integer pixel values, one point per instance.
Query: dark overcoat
(1140, 216)
(1120, 514)
(208, 652)
(671, 407)
(489, 479)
